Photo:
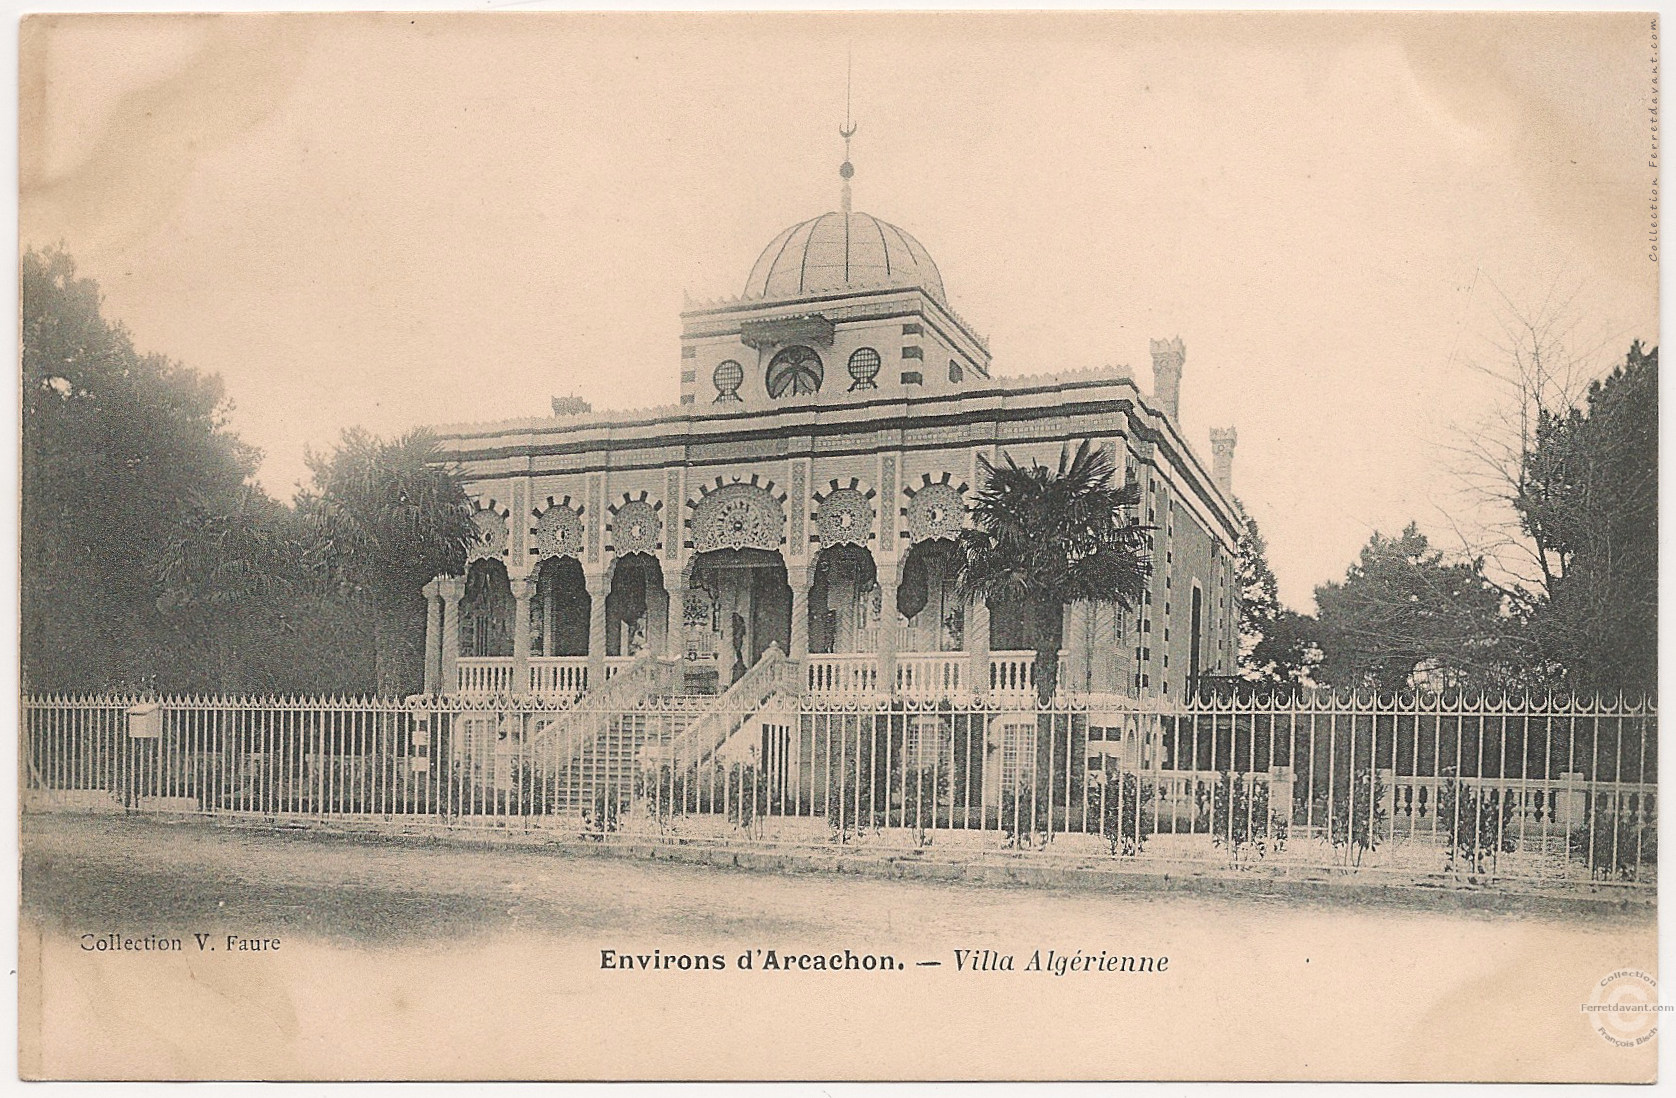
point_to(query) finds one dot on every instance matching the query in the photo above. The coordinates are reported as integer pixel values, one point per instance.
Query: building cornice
(1074, 395)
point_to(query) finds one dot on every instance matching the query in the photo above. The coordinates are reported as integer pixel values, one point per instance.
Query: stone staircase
(615, 740)
(557, 741)
(772, 676)
(612, 760)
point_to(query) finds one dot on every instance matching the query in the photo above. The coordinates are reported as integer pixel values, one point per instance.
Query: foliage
(1277, 647)
(746, 798)
(1024, 817)
(1404, 617)
(604, 816)
(1588, 498)
(857, 795)
(244, 609)
(1124, 819)
(118, 448)
(1477, 823)
(924, 790)
(1044, 538)
(663, 791)
(1355, 813)
(1241, 816)
(151, 561)
(386, 519)
(1614, 844)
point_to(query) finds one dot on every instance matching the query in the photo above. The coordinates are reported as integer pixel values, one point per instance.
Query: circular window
(955, 372)
(864, 369)
(727, 378)
(795, 370)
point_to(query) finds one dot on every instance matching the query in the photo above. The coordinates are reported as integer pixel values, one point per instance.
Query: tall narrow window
(1193, 648)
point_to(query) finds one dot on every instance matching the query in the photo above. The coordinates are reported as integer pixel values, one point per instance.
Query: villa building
(803, 499)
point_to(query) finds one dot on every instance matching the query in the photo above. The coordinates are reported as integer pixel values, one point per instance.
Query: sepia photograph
(853, 546)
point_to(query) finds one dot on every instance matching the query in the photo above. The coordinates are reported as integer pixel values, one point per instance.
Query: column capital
(451, 588)
(431, 590)
(597, 579)
(523, 587)
(799, 574)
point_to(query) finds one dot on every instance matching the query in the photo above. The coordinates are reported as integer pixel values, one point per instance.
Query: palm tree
(388, 518)
(1044, 538)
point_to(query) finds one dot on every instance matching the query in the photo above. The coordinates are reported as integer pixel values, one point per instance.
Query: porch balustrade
(559, 675)
(485, 675)
(931, 674)
(844, 673)
(920, 674)
(550, 676)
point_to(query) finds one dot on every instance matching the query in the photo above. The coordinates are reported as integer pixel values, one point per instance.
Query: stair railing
(558, 743)
(771, 674)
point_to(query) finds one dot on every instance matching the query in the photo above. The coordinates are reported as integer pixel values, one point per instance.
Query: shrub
(1024, 817)
(1240, 816)
(1356, 814)
(605, 815)
(1476, 822)
(923, 791)
(1615, 845)
(746, 799)
(663, 792)
(1124, 821)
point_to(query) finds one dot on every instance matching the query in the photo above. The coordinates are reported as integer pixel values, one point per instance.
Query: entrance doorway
(751, 607)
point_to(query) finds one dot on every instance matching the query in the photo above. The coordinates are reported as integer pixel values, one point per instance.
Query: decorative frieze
(558, 530)
(593, 517)
(845, 514)
(489, 520)
(935, 510)
(636, 525)
(743, 514)
(887, 490)
(799, 505)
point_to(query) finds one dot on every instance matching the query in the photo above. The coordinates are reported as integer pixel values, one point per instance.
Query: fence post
(1570, 801)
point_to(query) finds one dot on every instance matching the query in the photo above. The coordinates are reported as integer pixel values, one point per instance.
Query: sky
(391, 221)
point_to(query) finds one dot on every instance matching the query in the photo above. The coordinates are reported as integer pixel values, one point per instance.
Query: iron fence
(1480, 790)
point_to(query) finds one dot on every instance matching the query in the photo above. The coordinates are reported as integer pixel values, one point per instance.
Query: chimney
(1222, 441)
(1167, 358)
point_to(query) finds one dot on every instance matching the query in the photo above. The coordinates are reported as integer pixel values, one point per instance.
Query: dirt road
(411, 961)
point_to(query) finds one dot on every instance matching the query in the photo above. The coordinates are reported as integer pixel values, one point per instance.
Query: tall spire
(846, 170)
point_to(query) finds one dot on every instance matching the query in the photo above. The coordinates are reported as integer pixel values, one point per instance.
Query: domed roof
(838, 251)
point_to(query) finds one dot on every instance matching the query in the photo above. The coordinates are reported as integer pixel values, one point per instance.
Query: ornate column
(451, 589)
(977, 646)
(433, 637)
(598, 584)
(675, 586)
(888, 614)
(522, 588)
(797, 575)
(549, 619)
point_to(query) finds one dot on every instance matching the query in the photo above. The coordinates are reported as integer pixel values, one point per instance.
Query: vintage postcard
(870, 546)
